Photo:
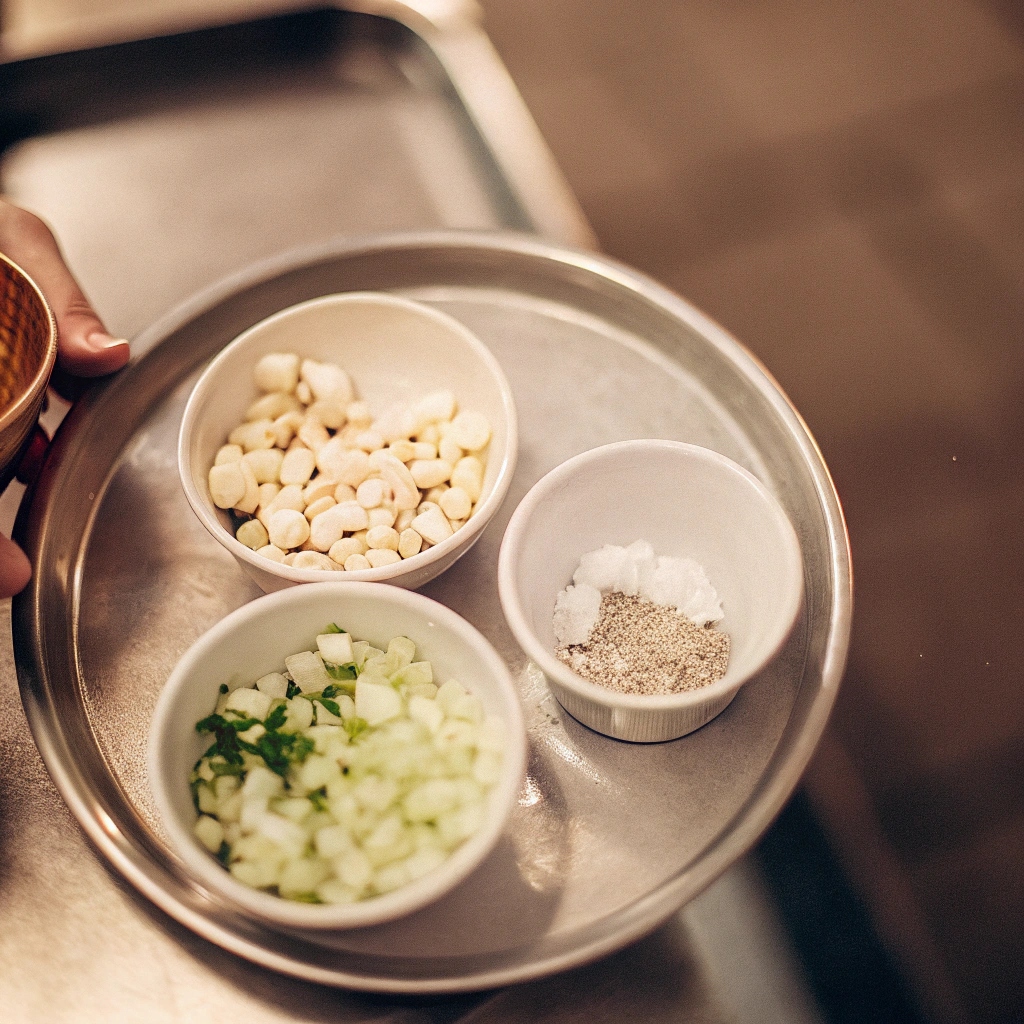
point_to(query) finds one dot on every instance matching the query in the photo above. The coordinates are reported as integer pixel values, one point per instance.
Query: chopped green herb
(223, 687)
(318, 798)
(293, 690)
(280, 749)
(341, 672)
(354, 726)
(226, 731)
(329, 692)
(333, 627)
(331, 705)
(276, 718)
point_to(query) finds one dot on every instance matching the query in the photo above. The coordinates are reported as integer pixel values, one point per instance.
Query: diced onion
(359, 775)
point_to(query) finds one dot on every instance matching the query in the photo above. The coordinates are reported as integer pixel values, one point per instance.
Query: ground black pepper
(637, 646)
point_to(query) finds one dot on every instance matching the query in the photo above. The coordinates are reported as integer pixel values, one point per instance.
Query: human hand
(84, 347)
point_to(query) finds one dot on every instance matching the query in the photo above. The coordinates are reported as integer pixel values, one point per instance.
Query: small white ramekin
(686, 501)
(255, 640)
(395, 350)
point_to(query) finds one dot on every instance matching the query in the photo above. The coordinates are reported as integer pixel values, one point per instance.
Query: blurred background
(842, 187)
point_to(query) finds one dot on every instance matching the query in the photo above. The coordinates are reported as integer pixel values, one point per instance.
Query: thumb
(15, 569)
(85, 348)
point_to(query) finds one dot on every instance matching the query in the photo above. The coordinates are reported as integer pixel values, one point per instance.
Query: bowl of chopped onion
(336, 755)
(361, 433)
(680, 579)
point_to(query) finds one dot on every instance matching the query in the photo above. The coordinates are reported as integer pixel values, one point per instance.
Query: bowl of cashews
(357, 436)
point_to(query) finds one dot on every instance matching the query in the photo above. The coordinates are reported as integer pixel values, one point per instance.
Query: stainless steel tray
(609, 838)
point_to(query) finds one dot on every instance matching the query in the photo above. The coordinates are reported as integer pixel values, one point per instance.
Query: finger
(85, 348)
(15, 568)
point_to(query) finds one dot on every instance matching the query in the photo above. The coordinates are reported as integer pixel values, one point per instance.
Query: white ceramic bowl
(686, 501)
(255, 640)
(395, 350)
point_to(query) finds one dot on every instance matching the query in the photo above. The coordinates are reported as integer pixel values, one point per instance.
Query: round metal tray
(609, 838)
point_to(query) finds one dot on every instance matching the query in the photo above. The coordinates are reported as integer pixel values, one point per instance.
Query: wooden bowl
(28, 351)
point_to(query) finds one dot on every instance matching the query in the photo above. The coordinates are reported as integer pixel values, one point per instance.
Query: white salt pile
(637, 572)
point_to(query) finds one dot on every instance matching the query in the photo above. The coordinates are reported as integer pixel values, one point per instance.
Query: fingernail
(101, 340)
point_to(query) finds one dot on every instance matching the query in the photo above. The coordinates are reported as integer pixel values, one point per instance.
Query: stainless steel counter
(304, 130)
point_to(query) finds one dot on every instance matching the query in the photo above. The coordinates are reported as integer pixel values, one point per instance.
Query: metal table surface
(156, 197)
